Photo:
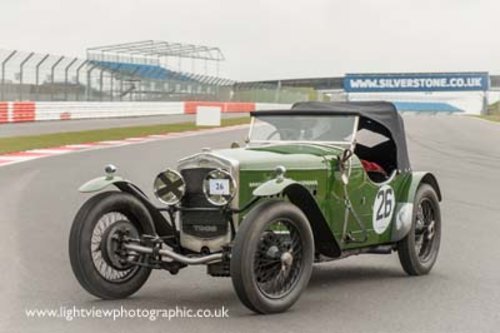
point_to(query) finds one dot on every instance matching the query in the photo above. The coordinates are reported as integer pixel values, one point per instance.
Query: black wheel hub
(112, 244)
(111, 260)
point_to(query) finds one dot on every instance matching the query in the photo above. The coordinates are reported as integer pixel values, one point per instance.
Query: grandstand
(138, 71)
(145, 70)
(152, 60)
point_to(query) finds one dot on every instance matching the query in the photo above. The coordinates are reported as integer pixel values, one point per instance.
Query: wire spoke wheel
(278, 259)
(424, 229)
(418, 251)
(98, 258)
(107, 255)
(272, 257)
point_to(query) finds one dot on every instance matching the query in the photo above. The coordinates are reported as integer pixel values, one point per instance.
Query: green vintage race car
(318, 182)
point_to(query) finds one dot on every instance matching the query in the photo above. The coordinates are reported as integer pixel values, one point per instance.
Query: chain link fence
(29, 76)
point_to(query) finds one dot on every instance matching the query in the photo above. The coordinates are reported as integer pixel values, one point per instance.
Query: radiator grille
(200, 224)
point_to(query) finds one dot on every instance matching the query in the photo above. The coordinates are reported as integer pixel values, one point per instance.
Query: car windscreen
(314, 128)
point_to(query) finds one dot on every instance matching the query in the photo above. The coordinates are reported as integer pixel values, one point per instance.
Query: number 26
(385, 208)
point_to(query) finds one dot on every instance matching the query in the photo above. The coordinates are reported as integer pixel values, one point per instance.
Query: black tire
(420, 261)
(247, 256)
(81, 246)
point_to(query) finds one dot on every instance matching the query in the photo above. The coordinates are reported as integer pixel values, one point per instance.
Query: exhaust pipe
(175, 256)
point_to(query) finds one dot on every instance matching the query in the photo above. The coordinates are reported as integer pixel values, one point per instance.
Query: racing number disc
(383, 208)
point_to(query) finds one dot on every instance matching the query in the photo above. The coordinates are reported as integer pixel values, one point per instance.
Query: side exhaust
(175, 256)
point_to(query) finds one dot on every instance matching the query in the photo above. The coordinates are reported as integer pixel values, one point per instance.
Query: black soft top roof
(383, 113)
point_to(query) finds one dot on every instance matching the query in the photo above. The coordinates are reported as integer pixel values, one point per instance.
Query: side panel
(314, 180)
(327, 190)
(363, 195)
(308, 191)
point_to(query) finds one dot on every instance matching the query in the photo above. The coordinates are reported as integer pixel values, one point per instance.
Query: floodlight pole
(21, 72)
(3, 71)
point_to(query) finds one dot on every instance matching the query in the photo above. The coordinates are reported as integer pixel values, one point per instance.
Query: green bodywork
(316, 168)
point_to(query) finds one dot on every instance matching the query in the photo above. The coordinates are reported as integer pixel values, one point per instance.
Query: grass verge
(20, 143)
(492, 117)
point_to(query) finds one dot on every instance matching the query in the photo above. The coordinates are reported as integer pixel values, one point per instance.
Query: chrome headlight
(219, 187)
(169, 187)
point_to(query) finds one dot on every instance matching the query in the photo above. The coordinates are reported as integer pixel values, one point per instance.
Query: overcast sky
(274, 39)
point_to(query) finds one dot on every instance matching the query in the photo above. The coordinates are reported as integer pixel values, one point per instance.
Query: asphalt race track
(38, 200)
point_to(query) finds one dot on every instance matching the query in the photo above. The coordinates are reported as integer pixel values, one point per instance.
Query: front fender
(273, 187)
(99, 184)
(161, 226)
(324, 239)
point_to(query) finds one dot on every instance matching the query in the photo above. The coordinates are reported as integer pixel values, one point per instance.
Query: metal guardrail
(43, 111)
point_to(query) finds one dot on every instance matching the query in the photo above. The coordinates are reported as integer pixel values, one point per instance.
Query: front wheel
(99, 262)
(272, 257)
(418, 251)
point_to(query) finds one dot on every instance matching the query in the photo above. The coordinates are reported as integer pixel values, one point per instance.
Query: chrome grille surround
(206, 160)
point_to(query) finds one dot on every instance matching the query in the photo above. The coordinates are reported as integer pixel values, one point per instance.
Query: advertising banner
(468, 81)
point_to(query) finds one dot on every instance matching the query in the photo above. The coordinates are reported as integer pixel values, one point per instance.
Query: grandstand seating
(155, 72)
(434, 107)
(151, 72)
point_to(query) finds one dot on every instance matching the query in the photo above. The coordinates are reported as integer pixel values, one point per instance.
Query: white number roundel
(383, 208)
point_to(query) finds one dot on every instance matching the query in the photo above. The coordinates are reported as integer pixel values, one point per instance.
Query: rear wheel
(272, 257)
(418, 251)
(98, 260)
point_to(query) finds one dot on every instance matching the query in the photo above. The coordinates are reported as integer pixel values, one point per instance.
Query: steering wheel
(281, 132)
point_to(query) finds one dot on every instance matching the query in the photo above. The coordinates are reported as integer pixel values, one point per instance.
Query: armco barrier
(191, 107)
(95, 110)
(42, 111)
(23, 112)
(4, 112)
